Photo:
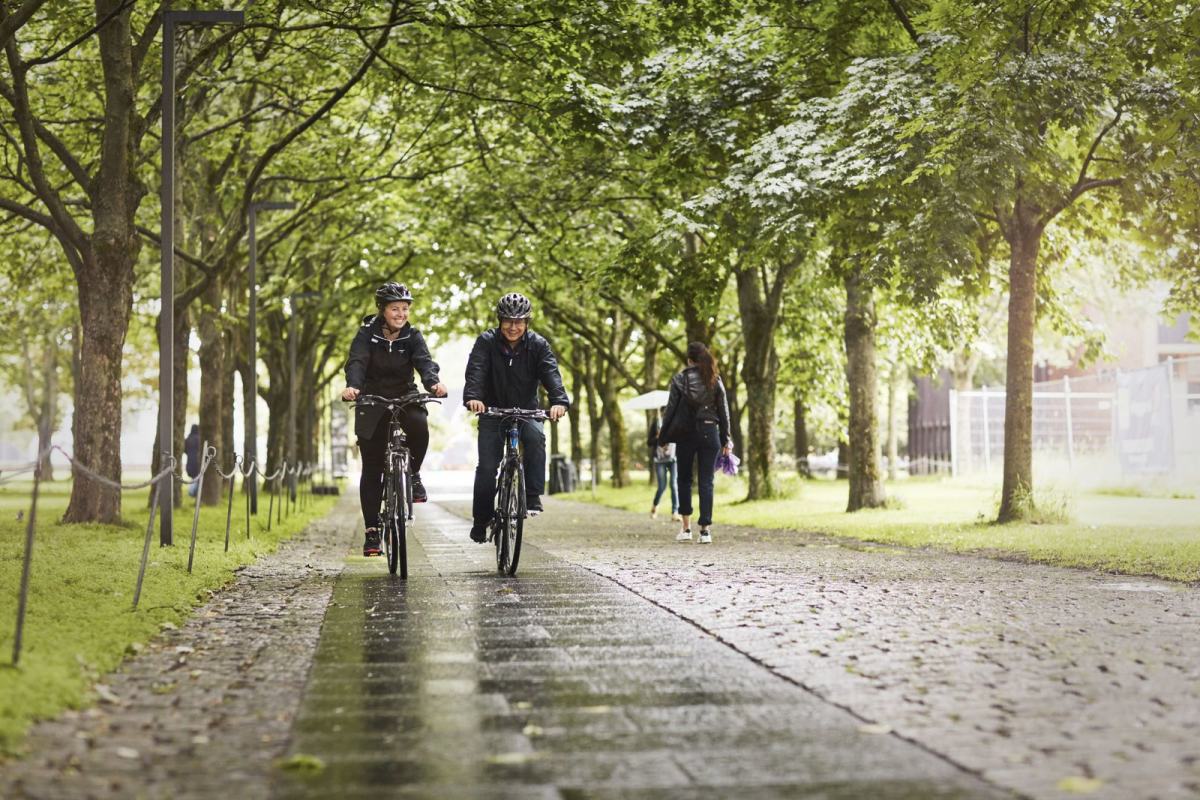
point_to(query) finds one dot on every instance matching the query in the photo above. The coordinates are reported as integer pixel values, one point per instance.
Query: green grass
(79, 623)
(1133, 535)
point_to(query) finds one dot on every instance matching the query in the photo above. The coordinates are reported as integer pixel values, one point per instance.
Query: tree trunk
(866, 484)
(595, 418)
(212, 377)
(105, 301)
(698, 326)
(104, 273)
(617, 444)
(576, 419)
(759, 319)
(800, 437)
(842, 470)
(1026, 239)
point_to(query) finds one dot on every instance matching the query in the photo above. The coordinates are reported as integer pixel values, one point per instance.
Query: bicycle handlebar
(518, 413)
(391, 402)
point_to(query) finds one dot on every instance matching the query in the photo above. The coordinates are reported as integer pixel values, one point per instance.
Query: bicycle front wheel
(402, 526)
(512, 520)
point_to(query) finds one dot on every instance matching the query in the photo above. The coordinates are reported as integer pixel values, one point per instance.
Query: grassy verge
(1134, 535)
(79, 623)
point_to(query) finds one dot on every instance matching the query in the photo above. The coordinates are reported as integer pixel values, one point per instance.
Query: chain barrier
(210, 455)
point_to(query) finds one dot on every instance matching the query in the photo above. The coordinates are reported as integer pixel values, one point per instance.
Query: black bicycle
(508, 521)
(397, 509)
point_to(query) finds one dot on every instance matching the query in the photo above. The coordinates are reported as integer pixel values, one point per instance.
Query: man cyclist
(383, 357)
(504, 369)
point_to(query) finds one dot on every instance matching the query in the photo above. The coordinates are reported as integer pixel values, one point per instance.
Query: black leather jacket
(387, 368)
(708, 404)
(504, 378)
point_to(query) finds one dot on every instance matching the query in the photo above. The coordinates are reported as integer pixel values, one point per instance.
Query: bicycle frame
(508, 519)
(397, 507)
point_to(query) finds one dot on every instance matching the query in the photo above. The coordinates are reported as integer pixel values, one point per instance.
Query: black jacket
(386, 368)
(692, 403)
(504, 378)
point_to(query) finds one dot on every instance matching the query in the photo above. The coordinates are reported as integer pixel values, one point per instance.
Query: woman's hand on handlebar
(476, 406)
(349, 394)
(438, 390)
(557, 412)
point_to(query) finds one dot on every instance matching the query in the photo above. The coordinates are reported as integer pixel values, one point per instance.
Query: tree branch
(11, 23)
(905, 21)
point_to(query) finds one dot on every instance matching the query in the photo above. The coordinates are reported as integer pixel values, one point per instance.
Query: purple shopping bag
(727, 464)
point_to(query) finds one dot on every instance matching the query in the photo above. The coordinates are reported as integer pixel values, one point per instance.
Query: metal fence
(1112, 426)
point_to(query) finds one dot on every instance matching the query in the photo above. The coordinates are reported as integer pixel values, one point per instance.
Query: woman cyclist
(384, 355)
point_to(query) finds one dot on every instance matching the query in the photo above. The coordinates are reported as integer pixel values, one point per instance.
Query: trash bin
(562, 475)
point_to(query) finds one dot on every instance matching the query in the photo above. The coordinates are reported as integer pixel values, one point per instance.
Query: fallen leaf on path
(301, 763)
(1078, 784)
(511, 758)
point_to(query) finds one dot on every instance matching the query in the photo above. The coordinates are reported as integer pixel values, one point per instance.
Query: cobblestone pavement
(1048, 681)
(206, 708)
(560, 684)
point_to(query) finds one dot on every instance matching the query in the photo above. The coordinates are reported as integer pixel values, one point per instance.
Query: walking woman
(663, 458)
(697, 421)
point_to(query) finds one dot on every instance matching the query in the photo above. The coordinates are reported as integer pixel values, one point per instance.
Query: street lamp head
(191, 17)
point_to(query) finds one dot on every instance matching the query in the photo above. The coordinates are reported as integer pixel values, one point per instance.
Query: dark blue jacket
(501, 377)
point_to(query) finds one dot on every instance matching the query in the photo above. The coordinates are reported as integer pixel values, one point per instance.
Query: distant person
(505, 367)
(697, 421)
(663, 459)
(191, 454)
(385, 355)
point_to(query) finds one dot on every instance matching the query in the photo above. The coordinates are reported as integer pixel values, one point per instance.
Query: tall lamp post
(252, 404)
(291, 440)
(166, 342)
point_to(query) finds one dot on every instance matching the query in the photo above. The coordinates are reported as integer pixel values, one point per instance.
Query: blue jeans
(665, 472)
(701, 447)
(491, 450)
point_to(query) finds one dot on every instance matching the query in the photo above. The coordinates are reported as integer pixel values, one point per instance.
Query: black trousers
(702, 448)
(491, 450)
(414, 421)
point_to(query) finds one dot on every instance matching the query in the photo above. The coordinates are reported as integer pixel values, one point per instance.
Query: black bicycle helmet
(514, 306)
(392, 292)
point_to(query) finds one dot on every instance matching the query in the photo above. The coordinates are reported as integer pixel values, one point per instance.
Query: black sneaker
(533, 506)
(418, 489)
(371, 543)
(479, 533)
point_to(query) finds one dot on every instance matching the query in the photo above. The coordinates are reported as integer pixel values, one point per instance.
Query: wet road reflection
(560, 684)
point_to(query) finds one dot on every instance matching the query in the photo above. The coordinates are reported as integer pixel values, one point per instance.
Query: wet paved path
(1052, 682)
(561, 684)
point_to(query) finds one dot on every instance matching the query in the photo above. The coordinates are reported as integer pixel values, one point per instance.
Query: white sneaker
(705, 537)
(683, 536)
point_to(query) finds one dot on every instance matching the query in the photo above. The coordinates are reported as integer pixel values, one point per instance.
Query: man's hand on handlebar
(557, 412)
(349, 394)
(476, 406)
(438, 390)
